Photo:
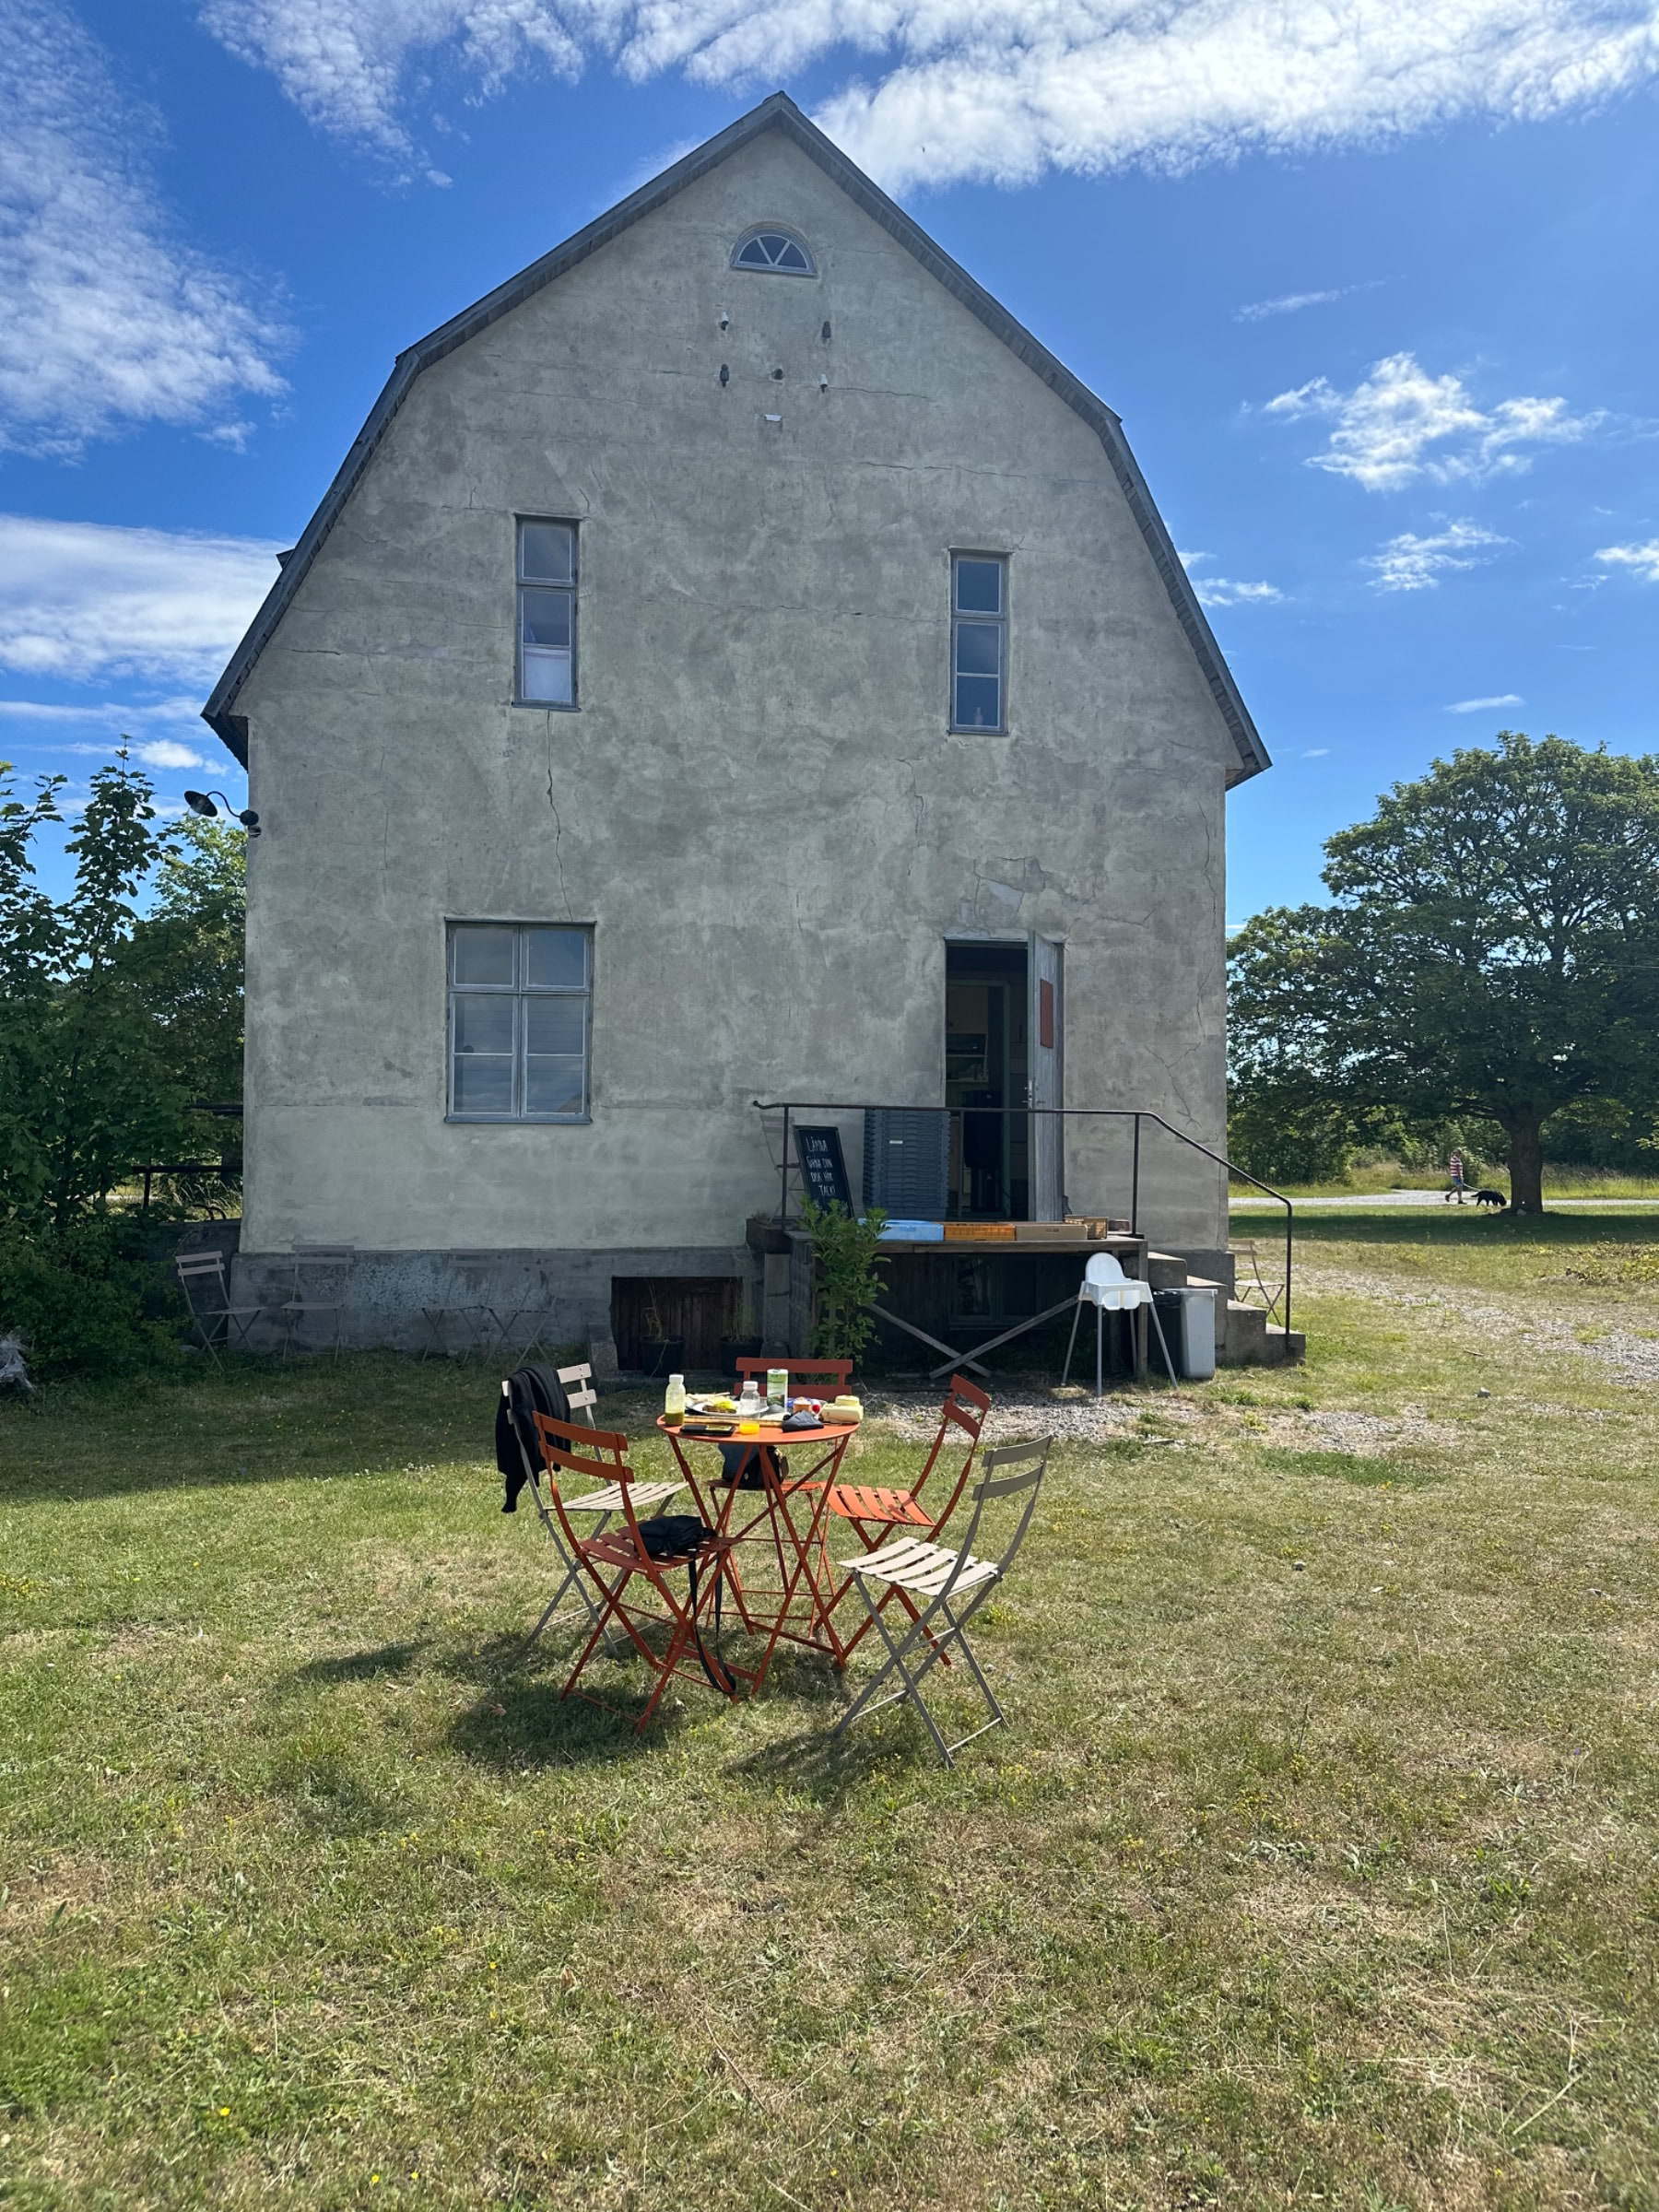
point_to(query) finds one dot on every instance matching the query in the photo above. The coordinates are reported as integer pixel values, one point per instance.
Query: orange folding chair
(680, 1560)
(837, 1372)
(875, 1512)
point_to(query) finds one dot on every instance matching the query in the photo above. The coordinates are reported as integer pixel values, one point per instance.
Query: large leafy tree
(113, 1019)
(1491, 947)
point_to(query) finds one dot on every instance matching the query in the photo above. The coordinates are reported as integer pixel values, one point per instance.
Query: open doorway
(987, 1028)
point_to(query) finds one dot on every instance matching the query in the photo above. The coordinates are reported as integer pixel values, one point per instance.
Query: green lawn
(1317, 1867)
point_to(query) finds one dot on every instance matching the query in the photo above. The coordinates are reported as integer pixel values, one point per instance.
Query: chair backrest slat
(1032, 1457)
(965, 1407)
(832, 1370)
(556, 1439)
(579, 1399)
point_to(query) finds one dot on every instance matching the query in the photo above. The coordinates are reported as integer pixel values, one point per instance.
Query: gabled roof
(777, 114)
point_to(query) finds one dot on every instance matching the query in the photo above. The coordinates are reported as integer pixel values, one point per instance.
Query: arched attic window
(777, 253)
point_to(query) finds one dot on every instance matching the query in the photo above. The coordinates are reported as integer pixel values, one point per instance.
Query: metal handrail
(1101, 1113)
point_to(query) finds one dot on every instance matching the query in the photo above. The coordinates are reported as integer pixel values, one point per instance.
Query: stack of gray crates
(907, 1161)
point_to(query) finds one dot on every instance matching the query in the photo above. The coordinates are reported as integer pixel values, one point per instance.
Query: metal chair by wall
(324, 1273)
(216, 1321)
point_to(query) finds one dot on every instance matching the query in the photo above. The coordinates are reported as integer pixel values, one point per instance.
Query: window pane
(979, 648)
(978, 702)
(554, 1025)
(753, 256)
(546, 551)
(546, 618)
(482, 955)
(555, 959)
(546, 675)
(553, 1083)
(792, 257)
(483, 1025)
(978, 586)
(483, 1086)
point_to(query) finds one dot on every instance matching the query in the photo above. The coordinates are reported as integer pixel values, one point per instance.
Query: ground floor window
(520, 1017)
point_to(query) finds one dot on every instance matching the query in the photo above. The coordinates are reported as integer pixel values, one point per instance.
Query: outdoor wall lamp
(200, 802)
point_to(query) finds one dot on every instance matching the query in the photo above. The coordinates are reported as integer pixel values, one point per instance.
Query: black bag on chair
(683, 1536)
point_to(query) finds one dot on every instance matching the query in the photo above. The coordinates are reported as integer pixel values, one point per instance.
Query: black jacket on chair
(530, 1391)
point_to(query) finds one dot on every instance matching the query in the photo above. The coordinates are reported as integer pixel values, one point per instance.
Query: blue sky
(1371, 283)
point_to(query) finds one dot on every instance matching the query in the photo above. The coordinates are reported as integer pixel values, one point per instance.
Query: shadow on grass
(826, 1767)
(526, 1722)
(361, 1666)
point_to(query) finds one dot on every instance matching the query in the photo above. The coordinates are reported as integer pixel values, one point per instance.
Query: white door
(1048, 1080)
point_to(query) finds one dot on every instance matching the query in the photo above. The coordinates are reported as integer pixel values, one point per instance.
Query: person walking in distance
(1458, 1183)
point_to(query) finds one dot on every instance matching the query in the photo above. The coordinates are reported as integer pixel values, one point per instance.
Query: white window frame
(522, 993)
(961, 618)
(522, 584)
(748, 268)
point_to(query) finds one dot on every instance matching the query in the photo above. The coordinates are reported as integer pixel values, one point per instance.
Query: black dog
(1494, 1198)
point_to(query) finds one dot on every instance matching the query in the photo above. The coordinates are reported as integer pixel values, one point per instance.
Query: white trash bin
(1195, 1352)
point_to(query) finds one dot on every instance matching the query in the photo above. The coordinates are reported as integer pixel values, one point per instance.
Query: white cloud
(992, 90)
(84, 600)
(1222, 590)
(1410, 563)
(111, 320)
(1642, 561)
(1399, 424)
(1293, 303)
(186, 707)
(1316, 752)
(1481, 706)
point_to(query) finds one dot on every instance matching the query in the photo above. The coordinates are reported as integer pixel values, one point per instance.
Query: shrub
(85, 1299)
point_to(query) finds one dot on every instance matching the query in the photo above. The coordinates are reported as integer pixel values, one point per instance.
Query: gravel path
(1028, 1412)
(1633, 1358)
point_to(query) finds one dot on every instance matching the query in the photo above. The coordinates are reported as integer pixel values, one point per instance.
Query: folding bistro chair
(950, 1587)
(334, 1263)
(610, 1447)
(201, 1275)
(1108, 1289)
(871, 1511)
(620, 1557)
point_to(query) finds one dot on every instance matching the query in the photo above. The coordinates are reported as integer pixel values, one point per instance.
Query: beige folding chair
(201, 1274)
(333, 1264)
(580, 1393)
(950, 1587)
(611, 1446)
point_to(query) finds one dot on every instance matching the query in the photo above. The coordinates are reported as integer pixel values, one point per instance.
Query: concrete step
(1243, 1338)
(1285, 1347)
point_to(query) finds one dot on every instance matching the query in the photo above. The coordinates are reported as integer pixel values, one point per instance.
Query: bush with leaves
(846, 1253)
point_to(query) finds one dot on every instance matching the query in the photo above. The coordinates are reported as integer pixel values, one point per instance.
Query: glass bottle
(674, 1402)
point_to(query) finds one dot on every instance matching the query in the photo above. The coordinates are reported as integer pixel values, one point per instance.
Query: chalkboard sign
(823, 1170)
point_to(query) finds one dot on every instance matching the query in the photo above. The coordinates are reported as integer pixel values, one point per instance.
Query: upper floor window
(546, 614)
(979, 641)
(779, 251)
(519, 998)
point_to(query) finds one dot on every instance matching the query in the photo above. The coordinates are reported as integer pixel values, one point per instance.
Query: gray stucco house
(735, 662)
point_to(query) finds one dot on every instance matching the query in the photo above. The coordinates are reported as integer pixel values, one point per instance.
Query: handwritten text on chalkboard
(823, 1169)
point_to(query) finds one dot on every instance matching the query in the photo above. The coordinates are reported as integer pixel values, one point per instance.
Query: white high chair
(1108, 1289)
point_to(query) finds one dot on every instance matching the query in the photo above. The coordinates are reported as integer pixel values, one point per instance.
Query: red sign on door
(1045, 1013)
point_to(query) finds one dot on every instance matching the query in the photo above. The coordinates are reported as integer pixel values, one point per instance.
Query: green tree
(113, 1021)
(1491, 949)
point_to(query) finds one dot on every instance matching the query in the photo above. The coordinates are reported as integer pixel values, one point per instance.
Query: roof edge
(777, 111)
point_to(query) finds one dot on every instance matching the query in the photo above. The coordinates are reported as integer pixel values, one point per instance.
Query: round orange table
(802, 1564)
